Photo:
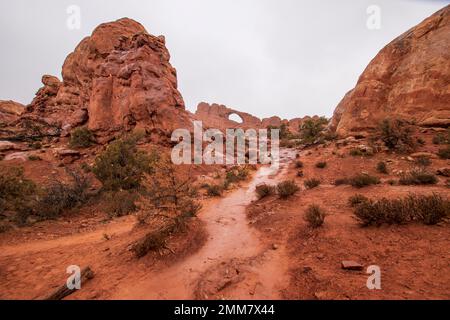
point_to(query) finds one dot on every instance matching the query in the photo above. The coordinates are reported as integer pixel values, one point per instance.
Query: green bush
(236, 174)
(321, 165)
(423, 161)
(341, 181)
(363, 180)
(356, 200)
(356, 152)
(34, 158)
(382, 167)
(298, 164)
(122, 165)
(315, 216)
(418, 177)
(214, 190)
(397, 135)
(286, 189)
(312, 129)
(311, 183)
(426, 209)
(59, 196)
(17, 193)
(264, 190)
(121, 203)
(442, 138)
(81, 138)
(444, 153)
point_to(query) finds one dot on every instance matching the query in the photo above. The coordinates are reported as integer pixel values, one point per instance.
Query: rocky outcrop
(117, 79)
(218, 116)
(10, 111)
(408, 79)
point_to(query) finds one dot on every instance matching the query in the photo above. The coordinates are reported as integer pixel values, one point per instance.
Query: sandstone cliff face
(117, 79)
(408, 79)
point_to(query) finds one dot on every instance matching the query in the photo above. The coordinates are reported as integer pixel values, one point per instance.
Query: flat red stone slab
(351, 265)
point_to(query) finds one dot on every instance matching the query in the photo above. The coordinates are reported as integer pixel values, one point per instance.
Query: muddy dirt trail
(233, 263)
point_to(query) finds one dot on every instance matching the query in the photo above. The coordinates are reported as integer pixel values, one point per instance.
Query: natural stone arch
(235, 117)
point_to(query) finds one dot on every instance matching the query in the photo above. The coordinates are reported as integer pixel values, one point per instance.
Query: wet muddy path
(233, 263)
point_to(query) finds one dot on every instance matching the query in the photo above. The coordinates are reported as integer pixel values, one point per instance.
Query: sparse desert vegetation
(286, 189)
(429, 210)
(311, 183)
(315, 216)
(101, 170)
(264, 190)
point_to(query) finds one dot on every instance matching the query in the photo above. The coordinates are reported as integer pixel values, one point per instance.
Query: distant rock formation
(408, 79)
(218, 116)
(10, 111)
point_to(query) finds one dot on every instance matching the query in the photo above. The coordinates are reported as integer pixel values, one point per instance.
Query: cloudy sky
(267, 57)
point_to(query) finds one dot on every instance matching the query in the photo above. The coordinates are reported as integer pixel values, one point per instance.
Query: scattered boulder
(424, 155)
(351, 265)
(22, 156)
(6, 146)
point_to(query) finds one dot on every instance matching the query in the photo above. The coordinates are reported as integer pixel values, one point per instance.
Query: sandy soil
(240, 248)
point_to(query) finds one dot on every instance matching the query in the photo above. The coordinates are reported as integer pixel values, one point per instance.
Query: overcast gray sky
(267, 57)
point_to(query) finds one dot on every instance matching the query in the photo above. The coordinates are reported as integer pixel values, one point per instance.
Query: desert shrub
(153, 241)
(397, 135)
(356, 200)
(298, 164)
(421, 141)
(59, 196)
(312, 129)
(236, 174)
(85, 167)
(442, 138)
(418, 177)
(286, 189)
(284, 133)
(122, 165)
(382, 167)
(392, 182)
(35, 145)
(356, 152)
(429, 210)
(315, 216)
(341, 181)
(311, 183)
(321, 165)
(34, 158)
(81, 138)
(264, 190)
(422, 161)
(426, 209)
(167, 203)
(363, 180)
(444, 153)
(17, 193)
(121, 203)
(214, 190)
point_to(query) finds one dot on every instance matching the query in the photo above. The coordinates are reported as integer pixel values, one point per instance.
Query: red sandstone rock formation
(408, 79)
(10, 111)
(117, 79)
(217, 116)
